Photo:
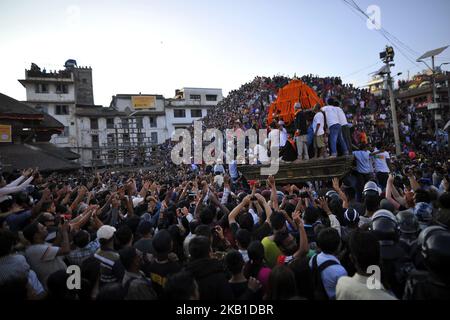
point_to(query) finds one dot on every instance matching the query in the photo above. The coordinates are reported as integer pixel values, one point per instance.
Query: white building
(134, 120)
(190, 104)
(57, 94)
(148, 109)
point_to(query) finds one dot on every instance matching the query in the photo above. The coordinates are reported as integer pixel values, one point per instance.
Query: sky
(155, 46)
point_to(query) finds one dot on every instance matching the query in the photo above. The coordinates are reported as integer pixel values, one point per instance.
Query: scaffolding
(127, 146)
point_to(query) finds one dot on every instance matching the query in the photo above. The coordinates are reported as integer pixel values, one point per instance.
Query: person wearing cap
(350, 223)
(301, 137)
(108, 257)
(371, 194)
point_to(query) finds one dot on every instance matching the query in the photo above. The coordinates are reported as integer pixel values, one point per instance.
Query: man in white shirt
(334, 127)
(274, 141)
(381, 164)
(366, 283)
(319, 132)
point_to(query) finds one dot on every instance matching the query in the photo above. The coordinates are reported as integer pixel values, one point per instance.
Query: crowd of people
(205, 232)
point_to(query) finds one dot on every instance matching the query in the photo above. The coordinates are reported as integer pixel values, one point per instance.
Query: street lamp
(432, 54)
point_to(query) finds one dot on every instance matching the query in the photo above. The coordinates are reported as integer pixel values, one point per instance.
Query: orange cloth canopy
(295, 91)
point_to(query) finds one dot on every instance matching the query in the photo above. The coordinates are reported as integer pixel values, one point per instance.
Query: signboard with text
(143, 102)
(5, 133)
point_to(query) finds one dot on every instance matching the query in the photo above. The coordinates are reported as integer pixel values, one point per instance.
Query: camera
(304, 194)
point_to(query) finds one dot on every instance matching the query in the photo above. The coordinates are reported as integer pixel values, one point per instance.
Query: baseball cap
(332, 194)
(423, 211)
(106, 232)
(351, 215)
(371, 186)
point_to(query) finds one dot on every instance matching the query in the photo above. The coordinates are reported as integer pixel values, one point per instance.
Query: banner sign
(143, 102)
(5, 133)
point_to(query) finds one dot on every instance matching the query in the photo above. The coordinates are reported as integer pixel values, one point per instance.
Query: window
(62, 88)
(96, 155)
(126, 138)
(110, 123)
(65, 132)
(43, 109)
(41, 88)
(61, 110)
(84, 80)
(110, 138)
(111, 155)
(154, 137)
(152, 122)
(179, 113)
(125, 123)
(140, 137)
(196, 113)
(94, 123)
(194, 97)
(139, 123)
(95, 143)
(211, 97)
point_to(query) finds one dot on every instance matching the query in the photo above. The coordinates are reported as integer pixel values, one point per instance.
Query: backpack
(317, 284)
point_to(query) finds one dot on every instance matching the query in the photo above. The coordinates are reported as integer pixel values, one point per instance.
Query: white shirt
(274, 138)
(261, 153)
(341, 116)
(380, 162)
(318, 119)
(283, 137)
(332, 115)
(355, 288)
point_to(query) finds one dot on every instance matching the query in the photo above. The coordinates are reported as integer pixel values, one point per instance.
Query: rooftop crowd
(206, 232)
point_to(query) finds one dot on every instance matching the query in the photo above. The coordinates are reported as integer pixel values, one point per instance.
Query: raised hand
(254, 284)
(336, 185)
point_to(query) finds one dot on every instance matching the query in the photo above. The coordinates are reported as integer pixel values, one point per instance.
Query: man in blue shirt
(328, 241)
(363, 167)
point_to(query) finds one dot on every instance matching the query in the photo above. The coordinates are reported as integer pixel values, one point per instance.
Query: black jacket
(300, 123)
(211, 279)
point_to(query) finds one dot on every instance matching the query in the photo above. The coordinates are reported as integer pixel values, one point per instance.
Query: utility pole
(433, 77)
(388, 56)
